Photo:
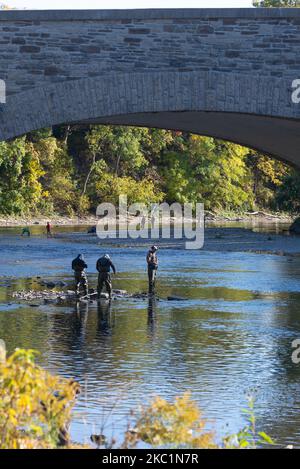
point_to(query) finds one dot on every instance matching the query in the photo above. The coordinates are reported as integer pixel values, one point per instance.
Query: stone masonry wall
(40, 48)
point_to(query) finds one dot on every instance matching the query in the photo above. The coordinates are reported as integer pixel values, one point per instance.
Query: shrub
(35, 412)
(35, 406)
(176, 425)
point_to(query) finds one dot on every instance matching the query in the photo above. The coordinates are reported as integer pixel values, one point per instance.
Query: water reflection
(231, 333)
(82, 311)
(105, 317)
(152, 317)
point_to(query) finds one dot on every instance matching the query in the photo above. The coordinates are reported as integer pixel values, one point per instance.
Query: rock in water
(104, 296)
(69, 296)
(71, 293)
(175, 298)
(120, 292)
(295, 226)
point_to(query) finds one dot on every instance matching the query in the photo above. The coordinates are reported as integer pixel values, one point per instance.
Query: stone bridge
(226, 73)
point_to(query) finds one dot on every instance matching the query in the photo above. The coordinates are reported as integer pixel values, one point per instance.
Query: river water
(230, 336)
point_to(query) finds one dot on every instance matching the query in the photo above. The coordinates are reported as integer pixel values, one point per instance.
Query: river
(230, 336)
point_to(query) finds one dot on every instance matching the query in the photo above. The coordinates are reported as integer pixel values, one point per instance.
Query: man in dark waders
(152, 263)
(104, 265)
(79, 266)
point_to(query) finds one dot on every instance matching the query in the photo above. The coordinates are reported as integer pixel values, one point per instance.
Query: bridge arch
(227, 73)
(237, 107)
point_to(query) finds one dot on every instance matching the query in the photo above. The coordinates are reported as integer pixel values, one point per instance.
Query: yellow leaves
(34, 405)
(110, 187)
(177, 424)
(11, 415)
(24, 401)
(46, 148)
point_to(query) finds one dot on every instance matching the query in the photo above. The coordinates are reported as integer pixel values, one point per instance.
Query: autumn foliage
(35, 406)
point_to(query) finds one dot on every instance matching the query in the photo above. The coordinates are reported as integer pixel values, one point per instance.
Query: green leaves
(208, 171)
(265, 438)
(46, 172)
(248, 437)
(276, 3)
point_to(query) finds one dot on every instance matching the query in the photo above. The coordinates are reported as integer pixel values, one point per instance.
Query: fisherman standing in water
(79, 266)
(152, 262)
(104, 265)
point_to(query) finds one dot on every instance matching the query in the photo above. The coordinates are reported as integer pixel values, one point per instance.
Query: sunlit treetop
(276, 3)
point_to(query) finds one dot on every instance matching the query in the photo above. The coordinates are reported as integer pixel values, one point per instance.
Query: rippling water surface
(231, 335)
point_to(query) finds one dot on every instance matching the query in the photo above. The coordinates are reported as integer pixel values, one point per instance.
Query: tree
(20, 173)
(3, 6)
(71, 169)
(59, 184)
(267, 175)
(110, 187)
(208, 171)
(276, 3)
(288, 195)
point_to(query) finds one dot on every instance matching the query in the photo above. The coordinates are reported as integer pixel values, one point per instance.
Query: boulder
(70, 293)
(104, 296)
(60, 283)
(53, 283)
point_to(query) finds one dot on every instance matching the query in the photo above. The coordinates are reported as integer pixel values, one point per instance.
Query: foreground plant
(36, 410)
(249, 437)
(35, 406)
(171, 425)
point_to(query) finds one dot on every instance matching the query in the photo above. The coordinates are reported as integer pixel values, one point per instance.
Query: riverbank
(216, 239)
(55, 220)
(210, 217)
(254, 236)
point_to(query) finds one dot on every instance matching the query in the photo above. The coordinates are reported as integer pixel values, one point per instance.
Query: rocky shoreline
(69, 296)
(57, 220)
(54, 220)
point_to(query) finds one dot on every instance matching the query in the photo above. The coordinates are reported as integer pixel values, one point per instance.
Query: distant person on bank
(48, 230)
